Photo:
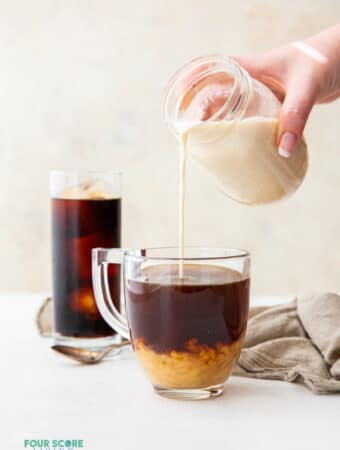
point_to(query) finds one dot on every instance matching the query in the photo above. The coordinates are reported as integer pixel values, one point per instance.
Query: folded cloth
(297, 341)
(44, 318)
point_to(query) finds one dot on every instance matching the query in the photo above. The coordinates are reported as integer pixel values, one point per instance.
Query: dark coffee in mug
(188, 331)
(78, 225)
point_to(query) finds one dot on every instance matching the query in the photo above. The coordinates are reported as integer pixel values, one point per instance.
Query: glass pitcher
(229, 123)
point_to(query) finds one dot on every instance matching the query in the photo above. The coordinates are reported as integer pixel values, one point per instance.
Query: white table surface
(111, 406)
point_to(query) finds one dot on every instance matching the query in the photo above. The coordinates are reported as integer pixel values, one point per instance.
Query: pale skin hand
(302, 74)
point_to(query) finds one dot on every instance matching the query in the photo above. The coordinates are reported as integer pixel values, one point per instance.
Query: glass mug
(86, 213)
(187, 332)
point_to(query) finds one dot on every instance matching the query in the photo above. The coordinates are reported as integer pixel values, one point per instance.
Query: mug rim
(238, 253)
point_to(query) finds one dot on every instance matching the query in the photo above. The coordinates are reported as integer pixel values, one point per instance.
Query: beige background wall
(80, 87)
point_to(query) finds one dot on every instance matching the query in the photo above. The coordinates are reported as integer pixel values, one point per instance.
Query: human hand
(301, 74)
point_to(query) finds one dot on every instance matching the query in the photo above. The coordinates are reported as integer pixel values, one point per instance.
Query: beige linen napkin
(44, 318)
(297, 341)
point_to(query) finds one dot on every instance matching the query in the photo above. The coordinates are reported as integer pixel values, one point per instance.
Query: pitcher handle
(101, 258)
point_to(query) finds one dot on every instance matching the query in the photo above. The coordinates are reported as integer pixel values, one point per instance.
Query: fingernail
(287, 142)
(282, 152)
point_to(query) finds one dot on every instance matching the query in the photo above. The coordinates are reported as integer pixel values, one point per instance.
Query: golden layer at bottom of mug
(199, 366)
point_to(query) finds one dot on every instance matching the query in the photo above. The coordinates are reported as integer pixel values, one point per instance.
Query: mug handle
(101, 258)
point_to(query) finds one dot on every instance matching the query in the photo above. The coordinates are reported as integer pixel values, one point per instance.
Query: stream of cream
(181, 203)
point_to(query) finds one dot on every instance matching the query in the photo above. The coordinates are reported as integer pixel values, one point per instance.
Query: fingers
(299, 88)
(295, 110)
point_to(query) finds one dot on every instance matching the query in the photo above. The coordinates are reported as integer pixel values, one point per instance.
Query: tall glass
(86, 213)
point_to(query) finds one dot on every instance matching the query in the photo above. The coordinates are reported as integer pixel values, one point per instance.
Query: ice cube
(83, 301)
(85, 191)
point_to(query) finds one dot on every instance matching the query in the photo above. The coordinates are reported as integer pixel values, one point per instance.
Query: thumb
(256, 66)
(294, 113)
(261, 68)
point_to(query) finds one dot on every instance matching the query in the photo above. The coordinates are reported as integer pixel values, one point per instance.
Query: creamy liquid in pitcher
(243, 159)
